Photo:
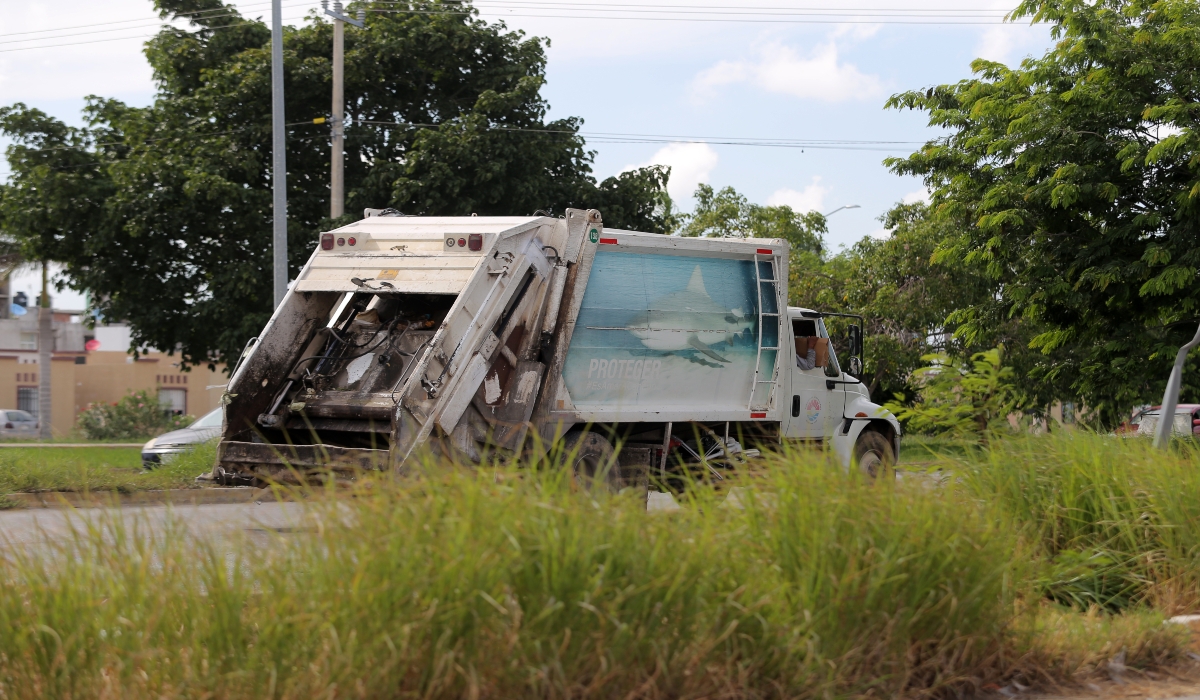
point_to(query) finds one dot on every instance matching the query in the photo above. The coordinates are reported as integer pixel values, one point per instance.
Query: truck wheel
(874, 455)
(592, 462)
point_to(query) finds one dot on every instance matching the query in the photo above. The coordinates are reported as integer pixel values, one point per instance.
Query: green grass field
(1040, 560)
(89, 469)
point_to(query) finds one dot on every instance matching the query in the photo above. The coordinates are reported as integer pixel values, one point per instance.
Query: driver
(809, 360)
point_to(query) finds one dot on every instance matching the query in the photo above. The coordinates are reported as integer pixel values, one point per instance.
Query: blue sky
(643, 72)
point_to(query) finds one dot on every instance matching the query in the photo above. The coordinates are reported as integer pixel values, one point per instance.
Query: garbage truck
(473, 336)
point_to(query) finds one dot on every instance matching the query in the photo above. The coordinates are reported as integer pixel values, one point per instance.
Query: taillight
(8, 426)
(341, 241)
(475, 241)
(326, 241)
(351, 240)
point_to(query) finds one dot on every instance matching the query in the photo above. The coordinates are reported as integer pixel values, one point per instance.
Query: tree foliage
(164, 212)
(1078, 175)
(726, 213)
(960, 398)
(904, 295)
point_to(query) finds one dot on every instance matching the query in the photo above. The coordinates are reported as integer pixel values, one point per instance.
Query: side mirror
(856, 341)
(854, 367)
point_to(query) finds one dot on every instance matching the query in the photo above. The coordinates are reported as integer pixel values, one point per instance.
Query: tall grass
(506, 584)
(1116, 523)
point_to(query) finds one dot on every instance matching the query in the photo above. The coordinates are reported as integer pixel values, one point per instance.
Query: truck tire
(875, 456)
(592, 461)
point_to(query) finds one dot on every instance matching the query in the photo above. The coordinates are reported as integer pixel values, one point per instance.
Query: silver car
(163, 448)
(18, 424)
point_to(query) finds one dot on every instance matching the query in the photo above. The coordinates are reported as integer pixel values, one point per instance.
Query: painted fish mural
(671, 330)
(687, 319)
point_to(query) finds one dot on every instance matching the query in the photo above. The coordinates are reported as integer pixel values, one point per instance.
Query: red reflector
(860, 414)
(326, 241)
(608, 241)
(765, 251)
(475, 241)
(351, 240)
(341, 241)
(462, 243)
(758, 415)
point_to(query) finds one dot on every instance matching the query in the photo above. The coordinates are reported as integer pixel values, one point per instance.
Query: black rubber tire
(874, 456)
(592, 461)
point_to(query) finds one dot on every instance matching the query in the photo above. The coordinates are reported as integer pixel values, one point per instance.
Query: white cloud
(880, 233)
(921, 195)
(997, 44)
(781, 69)
(691, 164)
(856, 31)
(811, 198)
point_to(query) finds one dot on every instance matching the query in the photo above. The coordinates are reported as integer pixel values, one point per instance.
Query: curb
(109, 499)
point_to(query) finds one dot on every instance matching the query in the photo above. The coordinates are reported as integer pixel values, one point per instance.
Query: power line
(189, 16)
(595, 136)
(674, 13)
(124, 38)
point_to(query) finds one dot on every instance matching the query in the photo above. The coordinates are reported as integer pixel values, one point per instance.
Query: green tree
(1079, 175)
(961, 398)
(56, 188)
(726, 213)
(903, 293)
(164, 212)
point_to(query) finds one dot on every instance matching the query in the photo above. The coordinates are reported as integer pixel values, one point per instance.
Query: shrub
(960, 399)
(138, 415)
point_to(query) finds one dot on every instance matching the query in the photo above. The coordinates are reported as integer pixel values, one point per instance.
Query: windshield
(212, 419)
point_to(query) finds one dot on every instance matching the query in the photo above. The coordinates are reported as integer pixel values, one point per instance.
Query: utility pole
(337, 181)
(45, 348)
(278, 147)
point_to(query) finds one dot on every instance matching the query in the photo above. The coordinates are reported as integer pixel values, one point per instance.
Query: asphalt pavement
(37, 526)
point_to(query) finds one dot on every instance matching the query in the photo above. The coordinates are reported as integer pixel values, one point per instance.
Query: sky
(670, 82)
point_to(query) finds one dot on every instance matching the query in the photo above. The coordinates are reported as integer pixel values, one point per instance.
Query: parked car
(1187, 420)
(163, 448)
(18, 424)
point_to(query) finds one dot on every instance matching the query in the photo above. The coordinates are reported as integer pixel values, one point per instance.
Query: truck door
(835, 397)
(813, 410)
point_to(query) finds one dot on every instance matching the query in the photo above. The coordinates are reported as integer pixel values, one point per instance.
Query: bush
(960, 399)
(136, 416)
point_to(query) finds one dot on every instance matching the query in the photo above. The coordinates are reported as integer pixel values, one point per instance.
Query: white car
(163, 448)
(18, 424)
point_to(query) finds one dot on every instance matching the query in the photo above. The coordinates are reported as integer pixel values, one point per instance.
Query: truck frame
(469, 336)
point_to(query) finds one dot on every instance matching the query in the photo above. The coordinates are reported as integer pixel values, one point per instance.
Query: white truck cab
(829, 405)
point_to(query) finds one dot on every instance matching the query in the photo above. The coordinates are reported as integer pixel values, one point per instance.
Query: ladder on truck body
(765, 256)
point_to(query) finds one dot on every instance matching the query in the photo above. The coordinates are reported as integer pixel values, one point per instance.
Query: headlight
(150, 445)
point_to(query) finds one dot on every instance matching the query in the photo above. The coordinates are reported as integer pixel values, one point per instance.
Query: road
(33, 527)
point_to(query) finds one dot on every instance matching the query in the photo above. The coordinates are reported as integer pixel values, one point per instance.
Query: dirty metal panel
(413, 255)
(410, 274)
(251, 454)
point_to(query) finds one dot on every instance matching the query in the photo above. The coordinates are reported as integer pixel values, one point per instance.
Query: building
(94, 365)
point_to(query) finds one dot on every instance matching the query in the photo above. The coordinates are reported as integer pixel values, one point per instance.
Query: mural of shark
(688, 319)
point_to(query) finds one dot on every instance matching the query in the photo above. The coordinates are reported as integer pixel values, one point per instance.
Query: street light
(848, 206)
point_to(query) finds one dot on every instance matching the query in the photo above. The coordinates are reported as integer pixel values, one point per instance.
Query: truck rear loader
(470, 336)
